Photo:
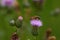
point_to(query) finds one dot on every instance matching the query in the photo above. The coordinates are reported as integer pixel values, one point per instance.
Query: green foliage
(48, 21)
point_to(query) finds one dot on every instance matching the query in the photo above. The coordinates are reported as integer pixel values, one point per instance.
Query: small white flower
(12, 21)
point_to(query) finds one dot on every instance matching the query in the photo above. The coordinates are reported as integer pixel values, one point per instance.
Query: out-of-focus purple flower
(2, 2)
(37, 23)
(7, 2)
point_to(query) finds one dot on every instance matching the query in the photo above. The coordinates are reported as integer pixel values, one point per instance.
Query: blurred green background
(48, 21)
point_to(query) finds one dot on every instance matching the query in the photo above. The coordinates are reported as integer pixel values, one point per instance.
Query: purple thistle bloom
(38, 23)
(20, 18)
(7, 2)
